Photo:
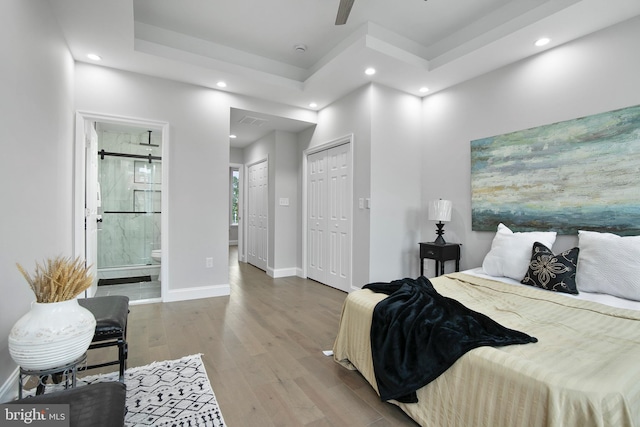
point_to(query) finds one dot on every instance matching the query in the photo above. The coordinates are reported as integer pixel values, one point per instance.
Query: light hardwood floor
(262, 347)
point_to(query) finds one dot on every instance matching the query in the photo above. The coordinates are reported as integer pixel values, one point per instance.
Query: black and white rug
(169, 393)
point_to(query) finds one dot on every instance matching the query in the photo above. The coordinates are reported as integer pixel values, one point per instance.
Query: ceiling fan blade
(343, 11)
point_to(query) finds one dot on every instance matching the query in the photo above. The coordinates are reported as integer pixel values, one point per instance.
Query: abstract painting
(581, 174)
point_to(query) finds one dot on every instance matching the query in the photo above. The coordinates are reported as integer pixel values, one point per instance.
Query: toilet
(156, 255)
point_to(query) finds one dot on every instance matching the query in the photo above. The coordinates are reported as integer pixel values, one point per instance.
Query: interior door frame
(79, 246)
(346, 139)
(92, 206)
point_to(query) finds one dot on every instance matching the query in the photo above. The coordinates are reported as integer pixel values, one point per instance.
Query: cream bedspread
(584, 371)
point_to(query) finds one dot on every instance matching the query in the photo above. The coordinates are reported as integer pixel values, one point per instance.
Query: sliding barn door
(329, 216)
(258, 208)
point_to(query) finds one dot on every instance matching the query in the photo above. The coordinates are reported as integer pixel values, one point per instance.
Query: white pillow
(511, 252)
(609, 264)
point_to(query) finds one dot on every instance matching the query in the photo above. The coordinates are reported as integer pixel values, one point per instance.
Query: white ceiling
(249, 126)
(249, 44)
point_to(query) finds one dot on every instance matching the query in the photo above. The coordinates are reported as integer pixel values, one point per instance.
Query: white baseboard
(233, 243)
(300, 273)
(9, 390)
(281, 272)
(196, 293)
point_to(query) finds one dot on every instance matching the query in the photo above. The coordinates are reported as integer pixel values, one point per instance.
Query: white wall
(36, 132)
(236, 155)
(595, 74)
(396, 137)
(286, 184)
(280, 148)
(198, 167)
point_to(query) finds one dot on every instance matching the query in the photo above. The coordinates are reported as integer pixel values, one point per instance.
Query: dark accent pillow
(552, 272)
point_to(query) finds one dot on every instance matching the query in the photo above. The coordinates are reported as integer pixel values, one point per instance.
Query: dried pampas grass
(58, 279)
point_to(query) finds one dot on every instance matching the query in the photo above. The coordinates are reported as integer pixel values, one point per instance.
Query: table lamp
(440, 210)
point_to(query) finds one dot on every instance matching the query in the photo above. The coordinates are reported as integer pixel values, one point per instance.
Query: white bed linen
(605, 299)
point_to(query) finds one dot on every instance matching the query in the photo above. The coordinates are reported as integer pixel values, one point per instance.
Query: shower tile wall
(131, 195)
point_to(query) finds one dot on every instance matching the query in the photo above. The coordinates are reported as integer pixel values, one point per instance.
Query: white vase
(51, 335)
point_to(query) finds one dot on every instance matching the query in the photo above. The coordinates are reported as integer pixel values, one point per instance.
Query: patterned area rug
(169, 393)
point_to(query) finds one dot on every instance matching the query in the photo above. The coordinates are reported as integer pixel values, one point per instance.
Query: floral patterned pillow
(552, 272)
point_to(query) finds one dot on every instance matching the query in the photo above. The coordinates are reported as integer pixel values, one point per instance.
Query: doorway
(121, 202)
(255, 137)
(235, 204)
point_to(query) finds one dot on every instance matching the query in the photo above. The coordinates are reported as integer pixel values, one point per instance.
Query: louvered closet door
(329, 216)
(258, 222)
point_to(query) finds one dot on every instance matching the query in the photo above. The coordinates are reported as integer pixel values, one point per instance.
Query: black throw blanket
(417, 334)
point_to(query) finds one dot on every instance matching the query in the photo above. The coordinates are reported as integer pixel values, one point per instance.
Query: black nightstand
(439, 253)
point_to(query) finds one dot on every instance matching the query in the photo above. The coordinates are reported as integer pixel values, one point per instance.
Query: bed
(583, 371)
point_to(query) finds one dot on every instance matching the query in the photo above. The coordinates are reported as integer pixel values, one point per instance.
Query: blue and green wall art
(580, 174)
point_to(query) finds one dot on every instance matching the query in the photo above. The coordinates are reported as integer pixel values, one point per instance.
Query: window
(235, 191)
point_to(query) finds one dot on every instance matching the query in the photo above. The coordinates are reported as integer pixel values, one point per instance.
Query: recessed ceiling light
(94, 57)
(313, 105)
(424, 89)
(221, 84)
(542, 41)
(232, 136)
(370, 71)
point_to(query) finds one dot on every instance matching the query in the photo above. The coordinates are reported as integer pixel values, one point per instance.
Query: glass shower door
(130, 175)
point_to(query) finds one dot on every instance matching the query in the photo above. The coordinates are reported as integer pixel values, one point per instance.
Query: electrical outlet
(209, 262)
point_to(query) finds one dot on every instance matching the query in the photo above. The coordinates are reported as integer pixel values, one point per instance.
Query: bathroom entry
(120, 204)
(129, 208)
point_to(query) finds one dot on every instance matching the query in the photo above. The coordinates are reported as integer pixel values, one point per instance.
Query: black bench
(93, 405)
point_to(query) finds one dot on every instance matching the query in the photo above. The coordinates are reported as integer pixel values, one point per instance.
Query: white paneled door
(258, 208)
(329, 216)
(317, 215)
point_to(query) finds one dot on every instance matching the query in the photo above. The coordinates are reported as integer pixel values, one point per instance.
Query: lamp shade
(440, 210)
